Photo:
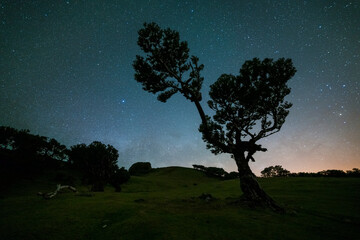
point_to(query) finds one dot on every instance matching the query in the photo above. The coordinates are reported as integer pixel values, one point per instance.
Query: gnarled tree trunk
(54, 193)
(250, 187)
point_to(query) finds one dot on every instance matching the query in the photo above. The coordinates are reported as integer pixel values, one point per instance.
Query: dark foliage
(199, 167)
(28, 146)
(7, 137)
(27, 156)
(216, 172)
(332, 173)
(120, 176)
(231, 175)
(27, 153)
(23, 154)
(275, 171)
(97, 161)
(140, 168)
(355, 172)
(248, 106)
(278, 171)
(166, 63)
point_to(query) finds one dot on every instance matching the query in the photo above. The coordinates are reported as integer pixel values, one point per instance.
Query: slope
(165, 204)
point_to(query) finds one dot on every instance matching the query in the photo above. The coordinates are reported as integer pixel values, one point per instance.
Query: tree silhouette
(275, 171)
(29, 146)
(97, 161)
(7, 137)
(248, 107)
(120, 176)
(55, 150)
(140, 168)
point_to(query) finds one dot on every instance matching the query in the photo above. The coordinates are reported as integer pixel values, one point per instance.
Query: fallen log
(54, 193)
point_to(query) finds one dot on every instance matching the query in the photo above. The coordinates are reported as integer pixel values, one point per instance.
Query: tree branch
(170, 71)
(265, 130)
(54, 193)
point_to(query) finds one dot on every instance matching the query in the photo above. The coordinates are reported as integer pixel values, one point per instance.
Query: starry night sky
(66, 73)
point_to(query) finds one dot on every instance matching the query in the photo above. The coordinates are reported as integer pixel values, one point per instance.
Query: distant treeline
(25, 154)
(279, 171)
(355, 172)
(276, 171)
(216, 172)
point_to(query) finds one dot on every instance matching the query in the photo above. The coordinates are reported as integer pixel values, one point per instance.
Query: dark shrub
(332, 173)
(212, 171)
(121, 176)
(275, 171)
(97, 162)
(231, 175)
(215, 172)
(199, 167)
(355, 172)
(140, 168)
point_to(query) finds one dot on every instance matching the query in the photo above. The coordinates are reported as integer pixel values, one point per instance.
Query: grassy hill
(165, 204)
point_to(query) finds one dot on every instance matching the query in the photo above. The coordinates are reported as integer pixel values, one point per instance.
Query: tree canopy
(167, 64)
(97, 160)
(275, 171)
(249, 106)
(29, 146)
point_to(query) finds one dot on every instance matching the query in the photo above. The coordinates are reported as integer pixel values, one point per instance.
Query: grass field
(165, 205)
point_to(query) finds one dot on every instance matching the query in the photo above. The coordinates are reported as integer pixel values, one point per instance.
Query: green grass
(165, 205)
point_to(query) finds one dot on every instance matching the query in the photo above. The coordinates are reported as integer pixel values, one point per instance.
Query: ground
(165, 204)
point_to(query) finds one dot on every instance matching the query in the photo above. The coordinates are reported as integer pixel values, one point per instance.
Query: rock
(206, 197)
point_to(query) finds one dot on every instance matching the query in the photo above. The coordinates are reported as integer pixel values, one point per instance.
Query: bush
(275, 171)
(97, 161)
(140, 168)
(120, 176)
(215, 172)
(355, 172)
(332, 173)
(199, 167)
(231, 175)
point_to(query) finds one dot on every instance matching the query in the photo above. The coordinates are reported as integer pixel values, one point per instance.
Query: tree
(212, 171)
(55, 150)
(199, 167)
(97, 161)
(267, 172)
(247, 107)
(29, 146)
(355, 172)
(231, 175)
(7, 137)
(275, 171)
(332, 173)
